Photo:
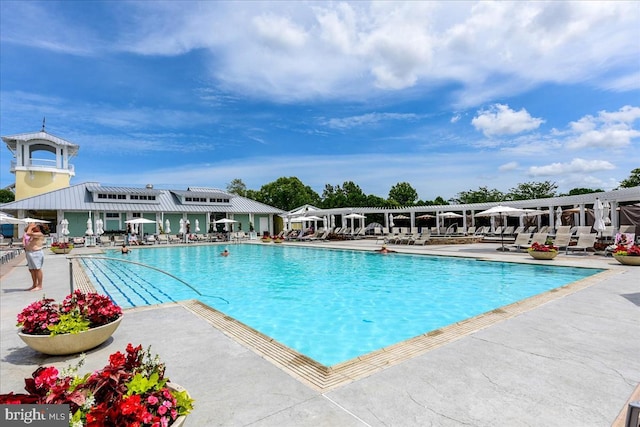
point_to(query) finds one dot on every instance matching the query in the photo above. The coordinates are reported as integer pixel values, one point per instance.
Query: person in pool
(225, 252)
(124, 249)
(384, 250)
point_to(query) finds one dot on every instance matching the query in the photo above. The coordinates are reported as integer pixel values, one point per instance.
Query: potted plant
(61, 247)
(266, 238)
(542, 251)
(81, 322)
(131, 390)
(627, 255)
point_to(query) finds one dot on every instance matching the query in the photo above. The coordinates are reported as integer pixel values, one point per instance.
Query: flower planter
(627, 260)
(61, 250)
(277, 240)
(543, 255)
(58, 345)
(178, 422)
(265, 240)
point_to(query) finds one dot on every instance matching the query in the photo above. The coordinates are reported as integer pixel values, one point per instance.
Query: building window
(115, 215)
(133, 197)
(102, 196)
(122, 197)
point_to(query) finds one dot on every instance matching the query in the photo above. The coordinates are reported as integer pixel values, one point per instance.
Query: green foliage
(7, 196)
(578, 191)
(349, 195)
(533, 190)
(633, 180)
(184, 402)
(287, 194)
(481, 195)
(70, 323)
(236, 186)
(140, 384)
(403, 194)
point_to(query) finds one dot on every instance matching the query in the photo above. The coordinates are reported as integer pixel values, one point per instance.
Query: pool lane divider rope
(92, 257)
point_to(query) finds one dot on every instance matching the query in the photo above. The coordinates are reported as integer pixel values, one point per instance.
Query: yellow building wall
(34, 183)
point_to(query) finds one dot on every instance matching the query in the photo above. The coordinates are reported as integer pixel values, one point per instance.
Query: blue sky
(448, 96)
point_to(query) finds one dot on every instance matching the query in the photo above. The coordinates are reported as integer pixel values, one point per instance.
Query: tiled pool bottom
(324, 378)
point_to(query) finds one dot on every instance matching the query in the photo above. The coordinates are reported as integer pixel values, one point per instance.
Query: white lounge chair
(522, 241)
(585, 242)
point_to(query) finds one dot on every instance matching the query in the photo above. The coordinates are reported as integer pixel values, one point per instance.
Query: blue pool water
(331, 305)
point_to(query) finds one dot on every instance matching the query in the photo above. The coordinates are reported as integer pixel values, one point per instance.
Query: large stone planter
(58, 345)
(543, 255)
(179, 422)
(627, 260)
(56, 250)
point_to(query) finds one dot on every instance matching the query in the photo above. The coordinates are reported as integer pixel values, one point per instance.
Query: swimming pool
(330, 305)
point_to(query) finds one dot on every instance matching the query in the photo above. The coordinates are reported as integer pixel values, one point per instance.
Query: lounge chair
(78, 241)
(163, 239)
(539, 238)
(522, 241)
(585, 242)
(508, 231)
(150, 240)
(562, 240)
(421, 240)
(563, 229)
(118, 240)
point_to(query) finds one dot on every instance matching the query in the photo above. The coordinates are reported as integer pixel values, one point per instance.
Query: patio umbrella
(391, 223)
(450, 215)
(99, 227)
(425, 216)
(606, 210)
(181, 231)
(64, 227)
(197, 229)
(40, 221)
(501, 211)
(226, 222)
(598, 213)
(353, 216)
(167, 226)
(89, 231)
(558, 216)
(6, 219)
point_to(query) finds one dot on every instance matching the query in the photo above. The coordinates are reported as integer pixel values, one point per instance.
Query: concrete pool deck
(571, 361)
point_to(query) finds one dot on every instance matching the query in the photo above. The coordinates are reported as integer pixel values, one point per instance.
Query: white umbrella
(181, 231)
(140, 221)
(99, 227)
(89, 231)
(425, 216)
(391, 223)
(598, 213)
(450, 215)
(501, 211)
(325, 223)
(64, 227)
(225, 221)
(558, 217)
(197, 229)
(606, 210)
(41, 221)
(6, 219)
(401, 217)
(167, 226)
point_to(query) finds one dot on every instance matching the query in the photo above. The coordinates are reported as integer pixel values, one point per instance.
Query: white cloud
(305, 50)
(499, 120)
(606, 130)
(508, 166)
(575, 166)
(455, 118)
(367, 119)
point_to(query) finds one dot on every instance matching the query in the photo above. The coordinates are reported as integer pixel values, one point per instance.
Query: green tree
(439, 201)
(403, 194)
(633, 180)
(481, 195)
(578, 191)
(7, 196)
(236, 186)
(287, 194)
(533, 190)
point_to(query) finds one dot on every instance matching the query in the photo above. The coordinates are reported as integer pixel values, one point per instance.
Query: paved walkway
(570, 361)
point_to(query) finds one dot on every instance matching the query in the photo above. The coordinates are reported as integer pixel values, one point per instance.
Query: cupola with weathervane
(41, 162)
